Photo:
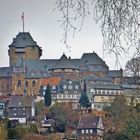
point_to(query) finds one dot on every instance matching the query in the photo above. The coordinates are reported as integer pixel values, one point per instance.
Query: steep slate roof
(91, 58)
(75, 62)
(132, 87)
(38, 67)
(21, 101)
(23, 39)
(88, 122)
(96, 79)
(131, 80)
(64, 63)
(5, 72)
(105, 86)
(115, 73)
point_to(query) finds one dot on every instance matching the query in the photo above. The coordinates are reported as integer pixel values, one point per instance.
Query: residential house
(21, 108)
(53, 82)
(2, 109)
(101, 94)
(69, 91)
(4, 100)
(90, 128)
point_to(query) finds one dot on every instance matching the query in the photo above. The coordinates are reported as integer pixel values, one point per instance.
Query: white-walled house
(21, 108)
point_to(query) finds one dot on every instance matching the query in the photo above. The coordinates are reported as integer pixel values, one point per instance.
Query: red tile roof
(52, 81)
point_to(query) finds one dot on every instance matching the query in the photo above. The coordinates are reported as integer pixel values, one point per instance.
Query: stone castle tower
(23, 48)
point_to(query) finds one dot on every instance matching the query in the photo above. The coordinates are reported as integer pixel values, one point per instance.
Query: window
(108, 92)
(2, 87)
(59, 96)
(33, 83)
(70, 82)
(64, 87)
(19, 83)
(75, 92)
(99, 106)
(91, 130)
(15, 108)
(76, 87)
(64, 96)
(70, 87)
(26, 83)
(82, 131)
(32, 73)
(103, 92)
(44, 87)
(23, 108)
(7, 86)
(91, 90)
(15, 114)
(86, 130)
(53, 87)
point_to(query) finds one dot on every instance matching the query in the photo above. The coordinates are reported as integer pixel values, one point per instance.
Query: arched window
(33, 83)
(2, 87)
(19, 83)
(26, 84)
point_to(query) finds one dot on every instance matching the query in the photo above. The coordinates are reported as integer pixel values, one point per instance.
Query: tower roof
(91, 58)
(64, 62)
(23, 39)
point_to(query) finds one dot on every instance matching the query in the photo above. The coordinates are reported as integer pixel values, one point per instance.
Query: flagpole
(23, 26)
(23, 20)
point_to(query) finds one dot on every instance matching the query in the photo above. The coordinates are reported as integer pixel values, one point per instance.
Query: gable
(100, 124)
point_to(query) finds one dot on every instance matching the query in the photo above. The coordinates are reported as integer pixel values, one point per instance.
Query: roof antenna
(22, 17)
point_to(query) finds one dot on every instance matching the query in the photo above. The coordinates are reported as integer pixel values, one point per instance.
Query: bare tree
(119, 20)
(132, 67)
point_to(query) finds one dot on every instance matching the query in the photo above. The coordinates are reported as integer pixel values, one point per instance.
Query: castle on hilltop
(27, 73)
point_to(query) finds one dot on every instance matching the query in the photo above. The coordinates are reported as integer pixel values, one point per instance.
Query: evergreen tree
(84, 101)
(48, 98)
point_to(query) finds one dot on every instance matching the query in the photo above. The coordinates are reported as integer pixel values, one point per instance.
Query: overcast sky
(41, 22)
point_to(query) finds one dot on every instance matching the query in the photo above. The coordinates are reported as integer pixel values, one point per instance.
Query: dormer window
(32, 73)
